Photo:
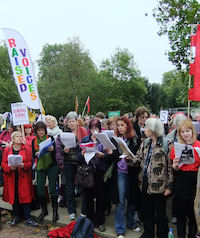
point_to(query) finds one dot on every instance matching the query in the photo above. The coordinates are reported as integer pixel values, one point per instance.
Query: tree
(155, 97)
(123, 88)
(174, 85)
(66, 71)
(175, 18)
(8, 93)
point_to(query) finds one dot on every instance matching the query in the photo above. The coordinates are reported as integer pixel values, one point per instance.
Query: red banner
(194, 93)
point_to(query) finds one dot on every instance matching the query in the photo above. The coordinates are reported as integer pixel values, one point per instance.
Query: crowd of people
(143, 182)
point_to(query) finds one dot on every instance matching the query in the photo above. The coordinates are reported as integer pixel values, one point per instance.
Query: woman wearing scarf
(46, 166)
(52, 127)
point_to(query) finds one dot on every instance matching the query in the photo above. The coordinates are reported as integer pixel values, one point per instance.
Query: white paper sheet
(196, 126)
(185, 153)
(90, 149)
(105, 141)
(197, 150)
(68, 139)
(110, 133)
(14, 160)
(43, 144)
(124, 147)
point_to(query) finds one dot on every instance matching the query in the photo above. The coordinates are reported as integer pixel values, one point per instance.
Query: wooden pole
(189, 84)
(23, 134)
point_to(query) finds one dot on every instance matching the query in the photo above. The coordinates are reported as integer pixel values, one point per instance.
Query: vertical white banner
(22, 68)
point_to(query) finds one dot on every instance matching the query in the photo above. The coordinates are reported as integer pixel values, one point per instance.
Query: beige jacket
(161, 174)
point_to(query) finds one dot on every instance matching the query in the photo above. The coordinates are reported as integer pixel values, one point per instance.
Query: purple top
(121, 165)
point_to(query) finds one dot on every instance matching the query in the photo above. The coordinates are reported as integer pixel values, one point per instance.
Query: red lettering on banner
(11, 42)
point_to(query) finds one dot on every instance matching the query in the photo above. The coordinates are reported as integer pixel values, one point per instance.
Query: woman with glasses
(141, 114)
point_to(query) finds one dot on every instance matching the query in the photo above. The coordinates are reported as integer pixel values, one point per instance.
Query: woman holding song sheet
(67, 159)
(124, 180)
(18, 188)
(46, 166)
(185, 180)
(98, 162)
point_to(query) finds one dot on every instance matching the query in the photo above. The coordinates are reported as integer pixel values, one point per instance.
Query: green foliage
(175, 18)
(122, 87)
(8, 92)
(175, 86)
(66, 71)
(155, 98)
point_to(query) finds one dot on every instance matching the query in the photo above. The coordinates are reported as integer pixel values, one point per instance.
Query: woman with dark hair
(46, 166)
(99, 164)
(141, 114)
(124, 180)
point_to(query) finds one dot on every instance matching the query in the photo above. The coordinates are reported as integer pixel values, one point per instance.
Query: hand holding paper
(90, 150)
(124, 147)
(14, 160)
(44, 146)
(105, 141)
(68, 139)
(185, 153)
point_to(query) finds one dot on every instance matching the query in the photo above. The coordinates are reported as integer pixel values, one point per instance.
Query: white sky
(102, 25)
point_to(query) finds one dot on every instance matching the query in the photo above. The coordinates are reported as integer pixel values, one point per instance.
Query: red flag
(194, 93)
(88, 105)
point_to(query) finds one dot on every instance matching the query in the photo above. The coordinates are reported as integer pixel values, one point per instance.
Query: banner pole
(84, 108)
(189, 83)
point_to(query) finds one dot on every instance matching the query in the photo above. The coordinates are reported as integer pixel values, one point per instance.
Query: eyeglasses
(143, 117)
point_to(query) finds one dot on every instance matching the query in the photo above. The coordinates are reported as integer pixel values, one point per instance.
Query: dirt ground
(21, 230)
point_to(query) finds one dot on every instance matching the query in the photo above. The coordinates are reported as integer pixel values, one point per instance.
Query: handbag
(85, 176)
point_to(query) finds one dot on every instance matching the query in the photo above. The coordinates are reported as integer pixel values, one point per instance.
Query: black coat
(132, 175)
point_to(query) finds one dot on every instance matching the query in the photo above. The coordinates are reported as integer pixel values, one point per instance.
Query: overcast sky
(102, 25)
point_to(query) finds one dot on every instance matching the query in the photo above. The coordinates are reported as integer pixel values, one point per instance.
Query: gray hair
(14, 134)
(155, 125)
(104, 121)
(72, 115)
(53, 119)
(178, 119)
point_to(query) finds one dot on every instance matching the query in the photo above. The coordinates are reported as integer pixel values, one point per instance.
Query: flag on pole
(31, 115)
(194, 93)
(22, 68)
(88, 105)
(3, 125)
(76, 105)
(43, 112)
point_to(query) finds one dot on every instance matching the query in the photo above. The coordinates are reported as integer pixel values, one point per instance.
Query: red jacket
(25, 186)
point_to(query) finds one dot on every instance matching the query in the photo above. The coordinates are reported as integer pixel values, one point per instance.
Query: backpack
(83, 229)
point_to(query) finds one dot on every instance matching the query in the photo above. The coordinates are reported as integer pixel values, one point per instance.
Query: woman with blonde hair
(18, 188)
(185, 180)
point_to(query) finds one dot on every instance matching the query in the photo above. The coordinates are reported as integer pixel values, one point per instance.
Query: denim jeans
(120, 225)
(70, 172)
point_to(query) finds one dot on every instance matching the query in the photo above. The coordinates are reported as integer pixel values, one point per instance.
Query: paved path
(110, 230)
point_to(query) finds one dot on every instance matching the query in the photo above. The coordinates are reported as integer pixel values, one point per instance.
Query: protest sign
(19, 113)
(164, 116)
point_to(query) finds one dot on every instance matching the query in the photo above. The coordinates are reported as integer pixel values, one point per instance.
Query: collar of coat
(158, 143)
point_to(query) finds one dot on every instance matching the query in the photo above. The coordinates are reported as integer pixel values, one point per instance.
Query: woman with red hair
(124, 179)
(28, 129)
